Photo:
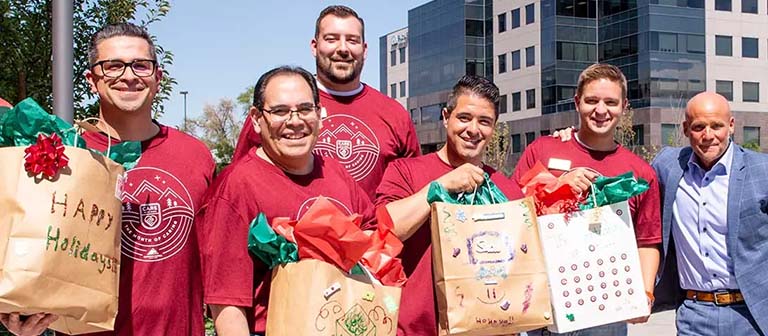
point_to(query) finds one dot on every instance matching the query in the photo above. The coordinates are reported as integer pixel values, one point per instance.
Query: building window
(725, 88)
(516, 145)
(502, 104)
(529, 137)
(545, 132)
(431, 113)
(516, 101)
(749, 6)
(515, 18)
(750, 92)
(414, 115)
(402, 55)
(749, 47)
(402, 89)
(393, 57)
(638, 138)
(751, 136)
(723, 5)
(530, 56)
(530, 14)
(723, 45)
(502, 22)
(669, 134)
(530, 98)
(502, 63)
(516, 60)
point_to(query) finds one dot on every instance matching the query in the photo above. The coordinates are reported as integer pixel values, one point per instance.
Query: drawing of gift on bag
(488, 267)
(328, 284)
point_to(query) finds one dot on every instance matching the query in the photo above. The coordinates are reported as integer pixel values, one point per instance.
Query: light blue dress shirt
(701, 226)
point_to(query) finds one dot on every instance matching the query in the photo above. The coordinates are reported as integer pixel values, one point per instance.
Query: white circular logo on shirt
(351, 142)
(157, 215)
(308, 203)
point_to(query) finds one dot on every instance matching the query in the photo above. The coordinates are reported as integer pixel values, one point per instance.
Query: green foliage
(218, 127)
(752, 145)
(497, 150)
(25, 55)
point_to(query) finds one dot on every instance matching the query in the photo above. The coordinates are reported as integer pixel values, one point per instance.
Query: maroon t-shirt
(160, 289)
(404, 178)
(364, 132)
(645, 208)
(248, 187)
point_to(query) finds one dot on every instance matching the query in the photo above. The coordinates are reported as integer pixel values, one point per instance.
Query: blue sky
(223, 47)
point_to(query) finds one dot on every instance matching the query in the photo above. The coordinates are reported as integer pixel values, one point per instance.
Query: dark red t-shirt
(364, 132)
(404, 178)
(160, 289)
(248, 187)
(645, 208)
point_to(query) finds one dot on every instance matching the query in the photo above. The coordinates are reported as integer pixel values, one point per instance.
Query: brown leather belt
(719, 298)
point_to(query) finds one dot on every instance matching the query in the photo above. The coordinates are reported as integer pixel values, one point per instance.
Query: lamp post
(63, 57)
(185, 93)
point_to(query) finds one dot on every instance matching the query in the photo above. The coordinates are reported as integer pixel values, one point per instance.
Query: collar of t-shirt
(154, 141)
(582, 146)
(341, 93)
(267, 166)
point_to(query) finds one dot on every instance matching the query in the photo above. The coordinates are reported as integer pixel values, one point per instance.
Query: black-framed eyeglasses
(116, 68)
(281, 114)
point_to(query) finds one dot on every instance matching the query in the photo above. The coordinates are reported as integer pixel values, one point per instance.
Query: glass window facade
(431, 113)
(516, 60)
(516, 104)
(448, 39)
(723, 45)
(402, 54)
(530, 56)
(530, 13)
(750, 92)
(402, 89)
(638, 138)
(393, 58)
(749, 6)
(515, 18)
(724, 88)
(502, 59)
(393, 90)
(502, 21)
(529, 137)
(669, 134)
(749, 47)
(530, 98)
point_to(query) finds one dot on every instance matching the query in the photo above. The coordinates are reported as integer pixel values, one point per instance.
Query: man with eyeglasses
(160, 292)
(280, 178)
(364, 129)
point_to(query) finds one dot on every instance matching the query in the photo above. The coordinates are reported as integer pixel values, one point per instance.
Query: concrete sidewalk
(660, 324)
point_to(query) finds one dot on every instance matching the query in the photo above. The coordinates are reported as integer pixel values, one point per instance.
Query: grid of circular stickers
(596, 279)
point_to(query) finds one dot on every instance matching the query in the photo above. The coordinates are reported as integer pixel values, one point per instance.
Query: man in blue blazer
(714, 266)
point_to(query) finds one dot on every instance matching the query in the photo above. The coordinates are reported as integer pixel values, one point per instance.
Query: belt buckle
(719, 292)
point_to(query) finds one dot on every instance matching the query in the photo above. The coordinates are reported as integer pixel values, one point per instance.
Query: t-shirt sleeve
(646, 208)
(228, 269)
(526, 162)
(395, 184)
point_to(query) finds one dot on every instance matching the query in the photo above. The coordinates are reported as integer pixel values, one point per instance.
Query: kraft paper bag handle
(85, 125)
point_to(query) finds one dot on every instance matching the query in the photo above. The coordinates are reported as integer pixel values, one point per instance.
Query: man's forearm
(230, 320)
(408, 214)
(649, 264)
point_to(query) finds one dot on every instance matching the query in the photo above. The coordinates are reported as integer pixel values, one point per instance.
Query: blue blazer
(747, 237)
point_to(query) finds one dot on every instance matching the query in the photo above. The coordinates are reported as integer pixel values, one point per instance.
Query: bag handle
(85, 125)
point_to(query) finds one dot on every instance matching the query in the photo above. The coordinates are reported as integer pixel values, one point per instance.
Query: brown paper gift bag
(60, 240)
(490, 275)
(312, 297)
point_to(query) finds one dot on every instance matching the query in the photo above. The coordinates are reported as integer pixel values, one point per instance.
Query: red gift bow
(46, 156)
(326, 233)
(549, 195)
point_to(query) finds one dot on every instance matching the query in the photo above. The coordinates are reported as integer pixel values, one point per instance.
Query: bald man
(714, 267)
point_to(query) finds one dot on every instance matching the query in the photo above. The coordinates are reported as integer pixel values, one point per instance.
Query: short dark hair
(338, 11)
(599, 71)
(474, 85)
(119, 29)
(261, 84)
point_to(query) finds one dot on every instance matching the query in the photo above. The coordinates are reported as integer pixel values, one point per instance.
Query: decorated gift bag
(590, 250)
(60, 218)
(328, 276)
(487, 263)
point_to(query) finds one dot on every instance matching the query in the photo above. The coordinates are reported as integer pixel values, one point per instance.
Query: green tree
(218, 127)
(26, 50)
(497, 150)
